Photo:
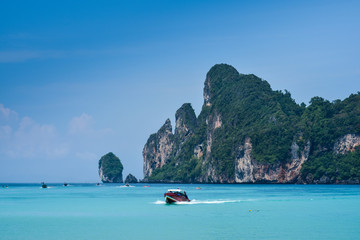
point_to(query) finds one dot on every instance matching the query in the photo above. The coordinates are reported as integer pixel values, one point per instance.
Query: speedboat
(43, 185)
(176, 195)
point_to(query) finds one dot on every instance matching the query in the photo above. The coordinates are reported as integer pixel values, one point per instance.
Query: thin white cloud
(87, 156)
(32, 140)
(13, 56)
(82, 124)
(7, 113)
(36, 148)
(85, 125)
(25, 55)
(18, 56)
(25, 138)
(28, 139)
(5, 132)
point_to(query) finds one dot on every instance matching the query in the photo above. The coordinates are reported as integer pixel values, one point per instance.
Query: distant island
(248, 133)
(131, 179)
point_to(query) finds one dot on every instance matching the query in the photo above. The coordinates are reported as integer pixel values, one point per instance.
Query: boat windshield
(177, 191)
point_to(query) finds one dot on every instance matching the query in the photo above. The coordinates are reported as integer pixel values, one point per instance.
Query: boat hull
(173, 197)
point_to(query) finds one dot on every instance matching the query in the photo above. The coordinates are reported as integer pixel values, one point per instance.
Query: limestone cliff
(343, 159)
(248, 133)
(158, 148)
(213, 121)
(249, 170)
(186, 123)
(347, 143)
(110, 169)
(164, 145)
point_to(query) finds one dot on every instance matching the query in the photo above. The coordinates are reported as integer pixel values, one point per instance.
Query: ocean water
(110, 211)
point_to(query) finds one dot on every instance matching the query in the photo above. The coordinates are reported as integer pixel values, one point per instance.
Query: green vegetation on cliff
(249, 108)
(324, 122)
(246, 106)
(334, 167)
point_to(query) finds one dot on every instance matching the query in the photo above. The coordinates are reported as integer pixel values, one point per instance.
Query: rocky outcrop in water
(131, 179)
(248, 133)
(110, 169)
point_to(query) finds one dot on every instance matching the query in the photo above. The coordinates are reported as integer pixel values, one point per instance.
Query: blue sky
(82, 78)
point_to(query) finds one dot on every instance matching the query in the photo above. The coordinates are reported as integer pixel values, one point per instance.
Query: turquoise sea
(111, 211)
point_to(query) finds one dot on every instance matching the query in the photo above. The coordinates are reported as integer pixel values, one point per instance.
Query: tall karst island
(110, 169)
(248, 133)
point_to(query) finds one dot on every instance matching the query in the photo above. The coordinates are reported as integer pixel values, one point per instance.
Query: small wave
(194, 201)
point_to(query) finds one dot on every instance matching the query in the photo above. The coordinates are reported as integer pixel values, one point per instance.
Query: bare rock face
(161, 145)
(213, 121)
(294, 167)
(199, 151)
(244, 166)
(248, 170)
(186, 123)
(207, 92)
(158, 148)
(346, 143)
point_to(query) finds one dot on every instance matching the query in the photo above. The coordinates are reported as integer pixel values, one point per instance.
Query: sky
(79, 79)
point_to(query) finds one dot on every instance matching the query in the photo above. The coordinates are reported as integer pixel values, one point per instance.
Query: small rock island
(131, 179)
(110, 169)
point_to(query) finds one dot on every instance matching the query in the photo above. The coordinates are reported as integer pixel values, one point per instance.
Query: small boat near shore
(176, 195)
(43, 185)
